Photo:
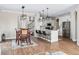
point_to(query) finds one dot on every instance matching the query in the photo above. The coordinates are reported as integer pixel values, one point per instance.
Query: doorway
(66, 29)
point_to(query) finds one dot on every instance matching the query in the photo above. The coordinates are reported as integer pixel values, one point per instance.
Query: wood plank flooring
(65, 45)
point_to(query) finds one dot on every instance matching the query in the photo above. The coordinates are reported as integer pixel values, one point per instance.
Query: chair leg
(21, 42)
(18, 41)
(26, 40)
(29, 40)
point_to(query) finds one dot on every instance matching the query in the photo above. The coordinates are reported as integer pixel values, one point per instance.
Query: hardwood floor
(65, 45)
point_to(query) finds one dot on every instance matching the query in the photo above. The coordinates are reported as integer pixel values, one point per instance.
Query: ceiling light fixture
(23, 16)
(47, 13)
(43, 13)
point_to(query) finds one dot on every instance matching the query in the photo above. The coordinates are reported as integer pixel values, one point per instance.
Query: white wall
(78, 26)
(73, 26)
(70, 17)
(73, 14)
(62, 19)
(8, 23)
(74, 37)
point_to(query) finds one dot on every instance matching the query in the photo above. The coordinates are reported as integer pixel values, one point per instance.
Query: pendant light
(47, 13)
(23, 16)
(43, 13)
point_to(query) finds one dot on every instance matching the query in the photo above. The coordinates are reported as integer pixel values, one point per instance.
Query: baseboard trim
(10, 37)
(73, 40)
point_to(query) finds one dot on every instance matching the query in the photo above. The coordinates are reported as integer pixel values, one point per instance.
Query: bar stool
(36, 31)
(44, 34)
(40, 33)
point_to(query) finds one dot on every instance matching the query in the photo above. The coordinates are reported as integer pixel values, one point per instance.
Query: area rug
(23, 45)
(51, 53)
(56, 53)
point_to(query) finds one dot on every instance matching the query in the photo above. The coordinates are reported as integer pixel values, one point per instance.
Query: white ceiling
(54, 9)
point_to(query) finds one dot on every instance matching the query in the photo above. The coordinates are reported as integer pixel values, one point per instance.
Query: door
(66, 29)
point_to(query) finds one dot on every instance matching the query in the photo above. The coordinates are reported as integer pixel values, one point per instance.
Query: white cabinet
(54, 36)
(51, 35)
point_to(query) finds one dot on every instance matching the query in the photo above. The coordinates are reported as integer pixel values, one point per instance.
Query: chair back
(24, 32)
